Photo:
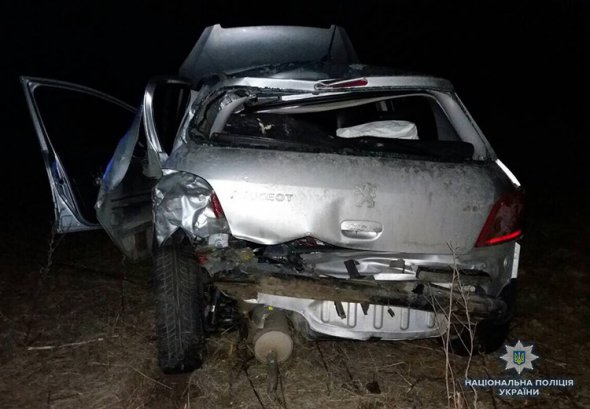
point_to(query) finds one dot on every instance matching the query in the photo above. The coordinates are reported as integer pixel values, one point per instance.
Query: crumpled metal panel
(220, 105)
(500, 262)
(232, 49)
(181, 202)
(386, 323)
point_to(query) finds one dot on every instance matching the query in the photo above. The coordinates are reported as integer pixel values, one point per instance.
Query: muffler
(270, 335)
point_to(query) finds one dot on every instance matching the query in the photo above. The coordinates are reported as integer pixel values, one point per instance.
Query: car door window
(80, 129)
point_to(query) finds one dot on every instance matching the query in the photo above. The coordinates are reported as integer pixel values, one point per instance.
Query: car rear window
(401, 126)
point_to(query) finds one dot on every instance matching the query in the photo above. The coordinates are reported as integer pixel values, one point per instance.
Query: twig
(284, 402)
(554, 362)
(317, 345)
(272, 372)
(150, 378)
(390, 365)
(53, 245)
(485, 369)
(71, 344)
(43, 273)
(253, 388)
(414, 344)
(136, 370)
(123, 287)
(468, 327)
(456, 396)
(104, 273)
(354, 382)
(455, 391)
(410, 384)
(187, 390)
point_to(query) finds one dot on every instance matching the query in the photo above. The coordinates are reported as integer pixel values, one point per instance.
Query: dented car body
(357, 200)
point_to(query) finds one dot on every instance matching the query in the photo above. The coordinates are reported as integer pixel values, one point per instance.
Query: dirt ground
(78, 332)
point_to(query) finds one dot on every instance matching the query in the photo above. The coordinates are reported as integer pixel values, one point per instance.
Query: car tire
(489, 334)
(180, 306)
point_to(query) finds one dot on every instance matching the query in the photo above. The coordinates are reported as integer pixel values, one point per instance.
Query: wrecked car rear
(338, 199)
(287, 205)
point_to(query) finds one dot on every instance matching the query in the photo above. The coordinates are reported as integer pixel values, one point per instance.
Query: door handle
(361, 229)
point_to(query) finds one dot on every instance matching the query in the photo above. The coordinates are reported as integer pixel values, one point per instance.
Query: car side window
(84, 131)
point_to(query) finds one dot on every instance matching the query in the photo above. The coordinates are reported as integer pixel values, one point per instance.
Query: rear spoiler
(227, 50)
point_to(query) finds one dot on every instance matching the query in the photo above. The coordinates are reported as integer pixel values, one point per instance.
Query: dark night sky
(518, 65)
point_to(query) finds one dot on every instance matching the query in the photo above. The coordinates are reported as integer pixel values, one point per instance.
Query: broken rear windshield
(406, 126)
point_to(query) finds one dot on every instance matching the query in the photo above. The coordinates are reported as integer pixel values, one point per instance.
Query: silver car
(279, 182)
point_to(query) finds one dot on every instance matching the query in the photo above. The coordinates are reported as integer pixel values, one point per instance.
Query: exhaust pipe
(271, 335)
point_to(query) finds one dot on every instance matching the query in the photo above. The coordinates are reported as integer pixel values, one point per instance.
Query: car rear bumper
(410, 299)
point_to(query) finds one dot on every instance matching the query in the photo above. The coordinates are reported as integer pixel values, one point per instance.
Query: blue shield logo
(519, 357)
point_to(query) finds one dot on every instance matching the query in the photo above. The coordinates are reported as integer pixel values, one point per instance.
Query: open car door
(78, 129)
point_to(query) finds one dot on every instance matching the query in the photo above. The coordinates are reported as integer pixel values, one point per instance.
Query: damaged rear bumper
(369, 295)
(413, 294)
(364, 308)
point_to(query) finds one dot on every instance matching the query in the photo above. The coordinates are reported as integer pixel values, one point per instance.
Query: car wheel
(489, 334)
(180, 306)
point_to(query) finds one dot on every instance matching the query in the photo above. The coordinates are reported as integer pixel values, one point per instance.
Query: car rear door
(78, 129)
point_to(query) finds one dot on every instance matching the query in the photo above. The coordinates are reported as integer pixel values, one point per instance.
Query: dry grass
(85, 296)
(51, 354)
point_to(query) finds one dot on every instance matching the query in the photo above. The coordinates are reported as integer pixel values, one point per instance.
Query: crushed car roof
(226, 50)
(356, 82)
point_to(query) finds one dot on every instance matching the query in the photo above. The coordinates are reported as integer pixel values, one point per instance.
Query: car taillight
(216, 206)
(504, 223)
